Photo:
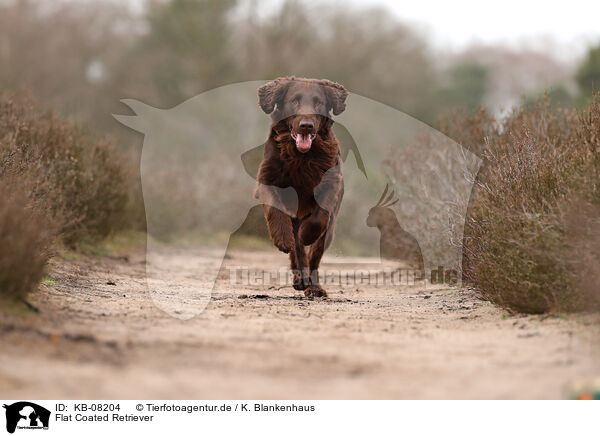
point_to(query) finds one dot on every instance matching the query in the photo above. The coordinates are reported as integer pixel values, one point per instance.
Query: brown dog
(301, 153)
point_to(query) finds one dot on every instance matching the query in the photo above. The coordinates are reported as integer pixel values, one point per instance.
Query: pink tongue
(303, 143)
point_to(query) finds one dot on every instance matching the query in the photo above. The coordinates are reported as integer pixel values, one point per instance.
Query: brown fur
(317, 172)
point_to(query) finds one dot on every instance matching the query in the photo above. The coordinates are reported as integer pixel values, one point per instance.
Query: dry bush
(533, 215)
(25, 237)
(78, 181)
(55, 181)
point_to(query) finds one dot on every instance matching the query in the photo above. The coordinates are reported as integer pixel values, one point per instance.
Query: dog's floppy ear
(336, 96)
(271, 93)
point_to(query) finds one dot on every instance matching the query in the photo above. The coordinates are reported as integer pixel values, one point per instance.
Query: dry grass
(534, 215)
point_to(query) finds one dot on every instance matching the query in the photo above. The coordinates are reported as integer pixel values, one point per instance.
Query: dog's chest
(306, 204)
(304, 179)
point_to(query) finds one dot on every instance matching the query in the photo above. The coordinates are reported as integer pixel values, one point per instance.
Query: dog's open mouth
(303, 141)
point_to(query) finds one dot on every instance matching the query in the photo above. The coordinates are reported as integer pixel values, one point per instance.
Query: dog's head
(303, 106)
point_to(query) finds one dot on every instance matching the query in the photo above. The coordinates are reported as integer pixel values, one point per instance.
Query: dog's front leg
(327, 196)
(327, 192)
(313, 226)
(279, 205)
(299, 262)
(280, 228)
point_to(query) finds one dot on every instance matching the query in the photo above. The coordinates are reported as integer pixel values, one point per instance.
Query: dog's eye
(317, 103)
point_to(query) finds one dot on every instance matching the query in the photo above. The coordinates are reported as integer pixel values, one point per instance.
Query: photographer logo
(24, 415)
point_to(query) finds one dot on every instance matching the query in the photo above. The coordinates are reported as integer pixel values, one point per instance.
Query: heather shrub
(532, 226)
(56, 181)
(25, 237)
(77, 180)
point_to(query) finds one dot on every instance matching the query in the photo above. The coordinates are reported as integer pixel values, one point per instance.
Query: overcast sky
(565, 28)
(459, 22)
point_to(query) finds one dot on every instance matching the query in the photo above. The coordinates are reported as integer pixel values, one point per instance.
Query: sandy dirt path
(92, 339)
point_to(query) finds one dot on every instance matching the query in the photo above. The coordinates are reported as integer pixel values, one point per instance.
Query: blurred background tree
(64, 54)
(588, 76)
(184, 52)
(467, 87)
(368, 51)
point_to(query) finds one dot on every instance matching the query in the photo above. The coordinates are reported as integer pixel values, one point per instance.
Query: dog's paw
(282, 235)
(284, 244)
(315, 291)
(283, 239)
(300, 282)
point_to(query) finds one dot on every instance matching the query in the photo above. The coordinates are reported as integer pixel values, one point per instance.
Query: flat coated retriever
(300, 180)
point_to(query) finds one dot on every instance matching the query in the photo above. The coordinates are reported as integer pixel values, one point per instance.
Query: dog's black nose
(306, 125)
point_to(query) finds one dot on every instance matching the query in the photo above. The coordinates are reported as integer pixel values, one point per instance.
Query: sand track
(92, 339)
